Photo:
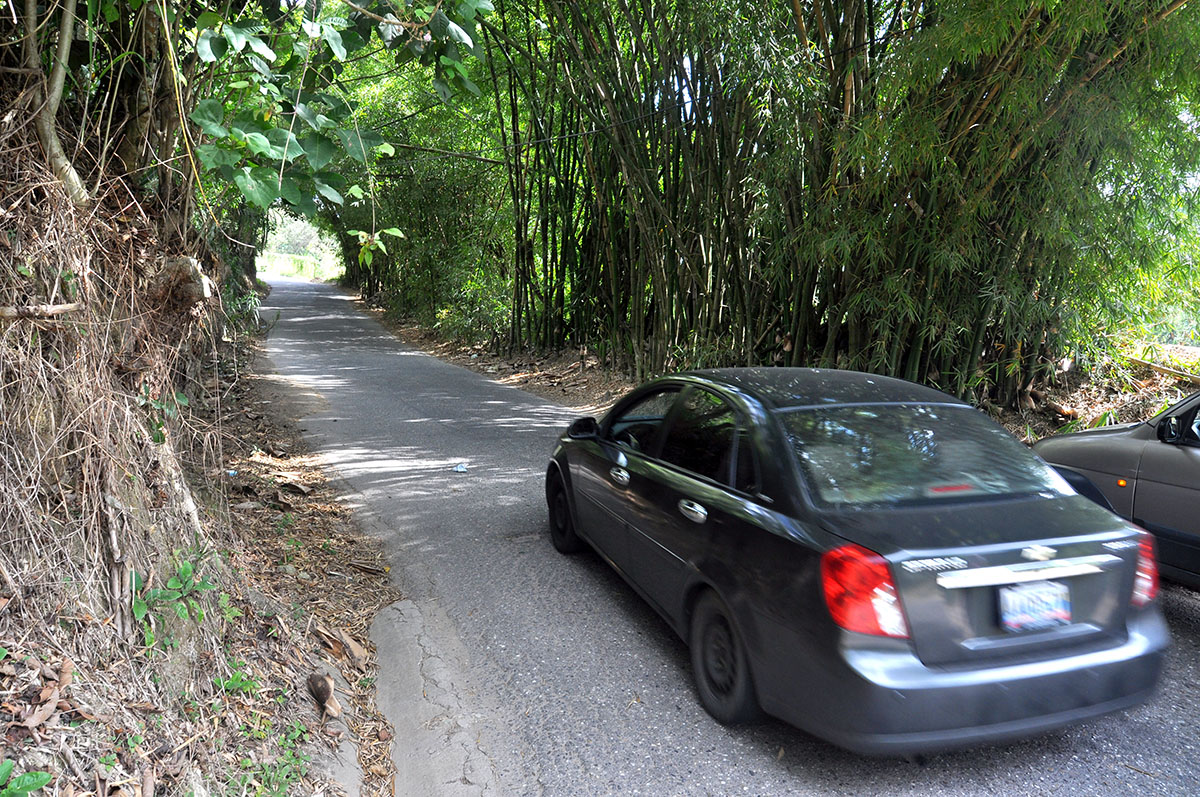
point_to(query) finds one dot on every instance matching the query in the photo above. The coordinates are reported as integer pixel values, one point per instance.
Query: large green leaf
(334, 39)
(260, 66)
(319, 150)
(211, 46)
(259, 144)
(24, 784)
(289, 190)
(236, 37)
(359, 143)
(329, 192)
(285, 143)
(208, 116)
(214, 157)
(317, 121)
(259, 185)
(459, 35)
(259, 46)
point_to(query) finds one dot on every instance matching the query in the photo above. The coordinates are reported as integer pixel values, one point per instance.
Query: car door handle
(620, 476)
(692, 511)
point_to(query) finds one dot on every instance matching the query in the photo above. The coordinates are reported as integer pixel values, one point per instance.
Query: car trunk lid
(1014, 578)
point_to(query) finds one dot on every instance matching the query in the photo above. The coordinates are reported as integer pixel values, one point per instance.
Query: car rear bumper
(886, 702)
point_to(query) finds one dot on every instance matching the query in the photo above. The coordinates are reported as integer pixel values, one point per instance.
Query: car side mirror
(1170, 430)
(583, 429)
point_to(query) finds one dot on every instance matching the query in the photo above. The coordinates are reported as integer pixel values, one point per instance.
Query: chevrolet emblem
(1038, 553)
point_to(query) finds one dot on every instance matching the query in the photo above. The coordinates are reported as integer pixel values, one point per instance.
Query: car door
(604, 476)
(1167, 495)
(690, 492)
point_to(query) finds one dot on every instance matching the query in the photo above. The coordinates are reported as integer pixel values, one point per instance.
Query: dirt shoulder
(301, 549)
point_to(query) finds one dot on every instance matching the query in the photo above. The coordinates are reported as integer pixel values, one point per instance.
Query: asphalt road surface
(512, 670)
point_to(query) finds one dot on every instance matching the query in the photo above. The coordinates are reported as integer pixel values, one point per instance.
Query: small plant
(180, 597)
(241, 680)
(282, 775)
(21, 784)
(162, 409)
(228, 610)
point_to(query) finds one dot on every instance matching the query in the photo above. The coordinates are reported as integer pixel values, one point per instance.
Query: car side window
(701, 436)
(637, 425)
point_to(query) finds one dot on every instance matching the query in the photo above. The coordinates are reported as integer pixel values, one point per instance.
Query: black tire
(562, 526)
(719, 663)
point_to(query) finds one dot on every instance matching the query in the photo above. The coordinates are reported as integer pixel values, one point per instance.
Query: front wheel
(562, 527)
(719, 663)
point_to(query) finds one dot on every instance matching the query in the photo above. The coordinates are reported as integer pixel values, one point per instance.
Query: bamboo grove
(952, 193)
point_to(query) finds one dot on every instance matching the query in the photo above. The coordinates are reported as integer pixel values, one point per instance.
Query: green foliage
(241, 680)
(180, 598)
(228, 610)
(961, 200)
(161, 408)
(322, 268)
(278, 776)
(21, 784)
(276, 118)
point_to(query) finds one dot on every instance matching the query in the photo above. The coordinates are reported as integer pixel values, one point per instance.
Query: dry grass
(149, 644)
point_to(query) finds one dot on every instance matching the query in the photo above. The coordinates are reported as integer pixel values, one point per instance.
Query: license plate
(1035, 606)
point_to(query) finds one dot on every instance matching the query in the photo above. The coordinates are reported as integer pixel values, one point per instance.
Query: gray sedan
(1147, 471)
(871, 560)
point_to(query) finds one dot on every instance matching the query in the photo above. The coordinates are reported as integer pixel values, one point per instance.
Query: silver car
(1147, 471)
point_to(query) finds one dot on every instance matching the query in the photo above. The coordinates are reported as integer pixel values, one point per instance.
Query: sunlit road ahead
(511, 670)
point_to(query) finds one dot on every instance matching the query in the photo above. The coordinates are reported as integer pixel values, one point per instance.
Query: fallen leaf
(42, 713)
(303, 489)
(358, 654)
(66, 673)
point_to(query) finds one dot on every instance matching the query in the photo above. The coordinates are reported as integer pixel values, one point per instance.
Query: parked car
(868, 559)
(1147, 471)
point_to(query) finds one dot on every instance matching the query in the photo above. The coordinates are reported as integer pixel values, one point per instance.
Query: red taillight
(1145, 583)
(860, 593)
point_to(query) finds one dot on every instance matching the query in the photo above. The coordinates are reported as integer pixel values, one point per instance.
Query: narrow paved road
(511, 670)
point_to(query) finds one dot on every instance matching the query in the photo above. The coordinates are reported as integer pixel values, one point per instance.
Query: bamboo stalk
(1162, 369)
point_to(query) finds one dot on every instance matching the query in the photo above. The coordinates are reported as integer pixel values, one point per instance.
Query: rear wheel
(719, 663)
(562, 527)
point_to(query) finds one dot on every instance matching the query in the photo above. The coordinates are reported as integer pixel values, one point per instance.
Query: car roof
(780, 388)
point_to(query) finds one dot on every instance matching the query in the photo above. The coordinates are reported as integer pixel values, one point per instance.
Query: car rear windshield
(910, 453)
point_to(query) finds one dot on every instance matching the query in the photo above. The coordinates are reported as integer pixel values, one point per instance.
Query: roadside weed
(21, 784)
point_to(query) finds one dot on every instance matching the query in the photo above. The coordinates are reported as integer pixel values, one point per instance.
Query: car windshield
(910, 453)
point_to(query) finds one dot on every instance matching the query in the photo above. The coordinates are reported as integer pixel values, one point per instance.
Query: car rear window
(911, 453)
